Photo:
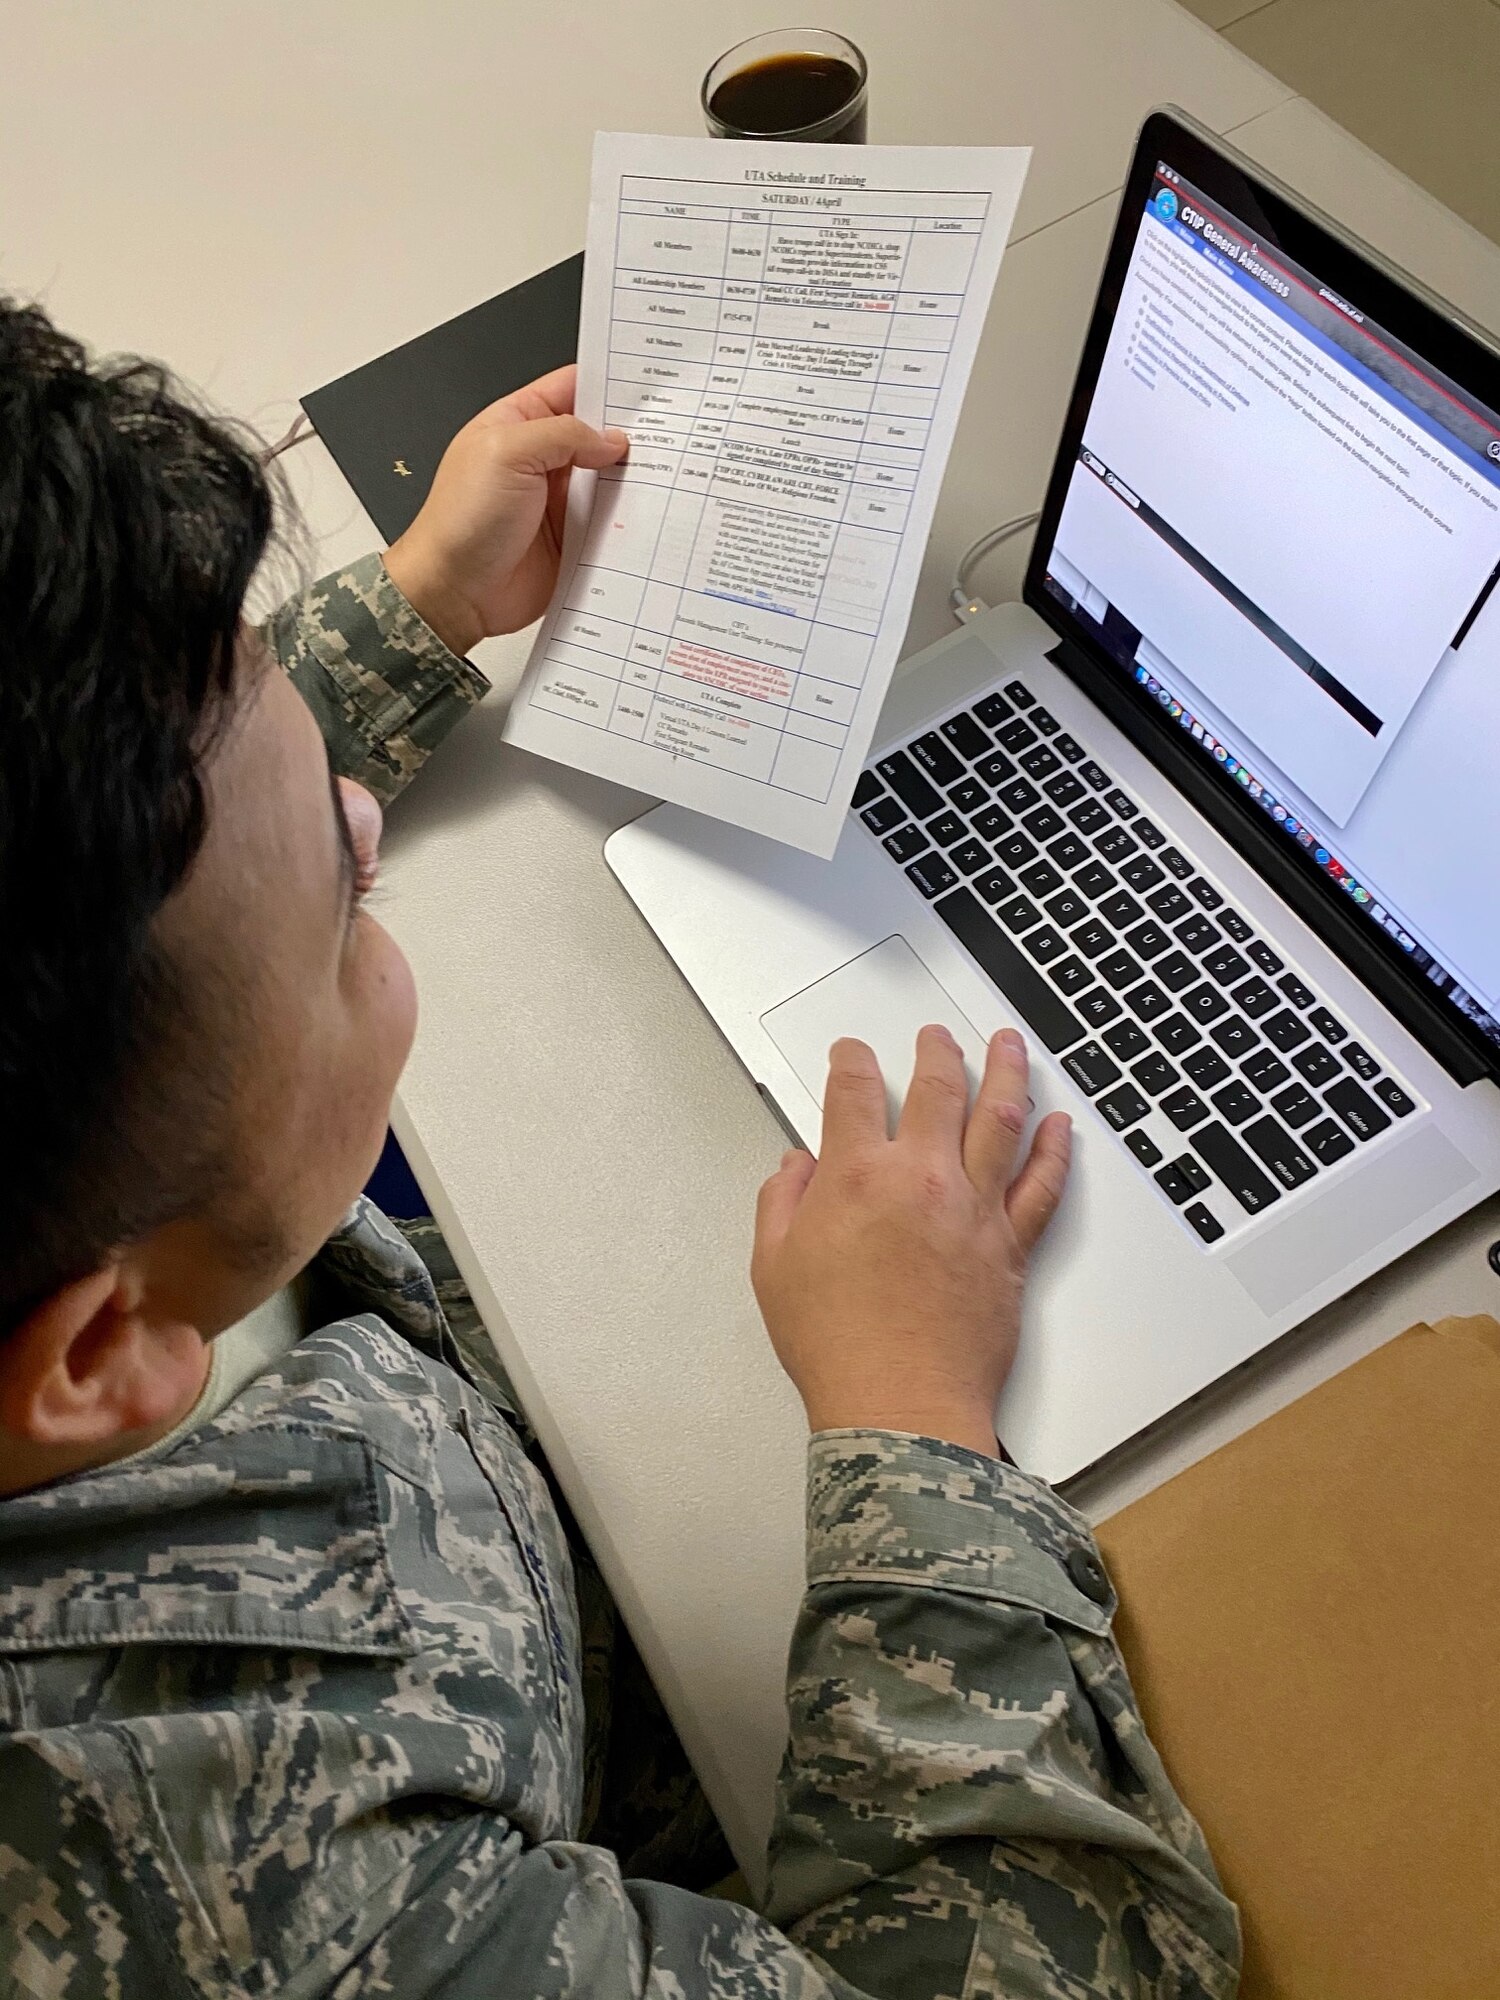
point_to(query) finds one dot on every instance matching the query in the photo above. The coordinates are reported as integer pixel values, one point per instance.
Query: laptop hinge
(1243, 826)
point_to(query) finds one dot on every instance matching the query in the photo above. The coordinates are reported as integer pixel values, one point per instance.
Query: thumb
(780, 1198)
(548, 444)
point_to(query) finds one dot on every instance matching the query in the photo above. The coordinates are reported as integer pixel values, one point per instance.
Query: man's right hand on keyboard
(890, 1271)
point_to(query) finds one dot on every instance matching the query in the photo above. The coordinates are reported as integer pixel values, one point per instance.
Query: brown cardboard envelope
(1312, 1619)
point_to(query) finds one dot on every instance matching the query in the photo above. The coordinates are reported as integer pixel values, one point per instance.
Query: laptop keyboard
(1228, 1077)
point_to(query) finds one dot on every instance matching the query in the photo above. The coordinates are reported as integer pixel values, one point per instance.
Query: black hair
(131, 525)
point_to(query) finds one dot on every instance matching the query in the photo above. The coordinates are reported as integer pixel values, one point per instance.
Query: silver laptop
(1213, 815)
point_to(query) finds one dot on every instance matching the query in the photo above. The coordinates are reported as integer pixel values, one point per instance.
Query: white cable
(965, 605)
(299, 433)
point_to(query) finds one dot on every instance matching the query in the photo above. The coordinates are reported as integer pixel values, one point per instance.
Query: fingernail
(617, 437)
(1011, 1039)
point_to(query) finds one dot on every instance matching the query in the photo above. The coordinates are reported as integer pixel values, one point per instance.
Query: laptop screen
(1281, 521)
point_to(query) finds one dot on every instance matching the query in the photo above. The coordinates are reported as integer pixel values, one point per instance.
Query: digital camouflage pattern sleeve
(970, 1805)
(384, 688)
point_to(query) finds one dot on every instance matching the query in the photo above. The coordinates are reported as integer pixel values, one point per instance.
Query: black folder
(387, 424)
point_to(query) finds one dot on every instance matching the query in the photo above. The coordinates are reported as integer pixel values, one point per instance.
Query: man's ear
(93, 1364)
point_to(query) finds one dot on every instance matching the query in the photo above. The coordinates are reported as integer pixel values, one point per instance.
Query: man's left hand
(481, 557)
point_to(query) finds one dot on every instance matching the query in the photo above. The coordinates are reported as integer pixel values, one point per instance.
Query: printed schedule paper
(786, 333)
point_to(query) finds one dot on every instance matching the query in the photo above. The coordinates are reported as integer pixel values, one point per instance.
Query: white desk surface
(268, 197)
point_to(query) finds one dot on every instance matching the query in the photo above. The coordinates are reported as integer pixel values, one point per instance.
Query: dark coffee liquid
(788, 93)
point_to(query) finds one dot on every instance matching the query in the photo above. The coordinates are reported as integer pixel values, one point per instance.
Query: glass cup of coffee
(799, 83)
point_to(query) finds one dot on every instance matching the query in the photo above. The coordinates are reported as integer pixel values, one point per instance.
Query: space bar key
(1020, 982)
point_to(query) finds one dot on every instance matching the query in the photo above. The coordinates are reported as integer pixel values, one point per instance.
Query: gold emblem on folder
(402, 467)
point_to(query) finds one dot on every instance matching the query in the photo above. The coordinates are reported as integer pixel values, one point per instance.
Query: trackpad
(882, 997)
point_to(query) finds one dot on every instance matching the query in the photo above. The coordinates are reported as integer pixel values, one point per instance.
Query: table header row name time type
(831, 225)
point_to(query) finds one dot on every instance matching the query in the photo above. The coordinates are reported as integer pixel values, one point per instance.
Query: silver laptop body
(1268, 1103)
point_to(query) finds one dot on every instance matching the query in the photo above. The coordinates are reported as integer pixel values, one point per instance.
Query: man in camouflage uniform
(290, 1687)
